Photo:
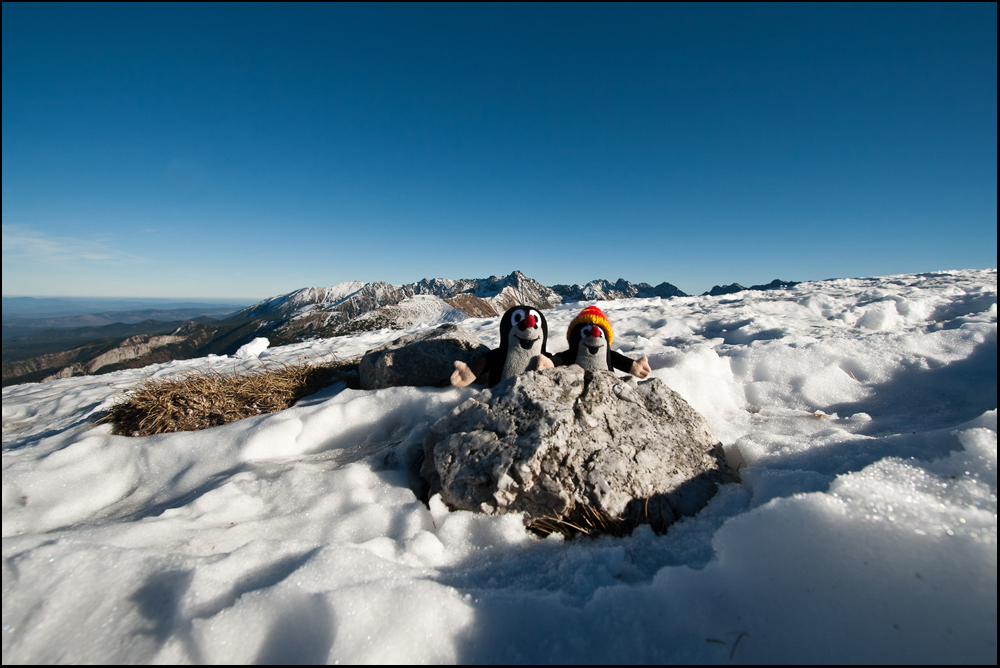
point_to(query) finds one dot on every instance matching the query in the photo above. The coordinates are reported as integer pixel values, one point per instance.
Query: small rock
(564, 441)
(423, 359)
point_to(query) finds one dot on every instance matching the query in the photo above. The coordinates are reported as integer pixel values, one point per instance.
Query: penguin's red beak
(596, 332)
(530, 321)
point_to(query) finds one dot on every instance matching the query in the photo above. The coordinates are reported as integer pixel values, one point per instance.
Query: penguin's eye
(517, 316)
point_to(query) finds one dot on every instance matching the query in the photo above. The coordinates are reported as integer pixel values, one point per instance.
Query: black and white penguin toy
(523, 336)
(590, 336)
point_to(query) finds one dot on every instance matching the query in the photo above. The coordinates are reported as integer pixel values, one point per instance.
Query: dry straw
(586, 520)
(210, 398)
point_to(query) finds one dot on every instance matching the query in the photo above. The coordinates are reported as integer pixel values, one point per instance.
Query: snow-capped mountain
(484, 297)
(301, 302)
(352, 307)
(355, 306)
(412, 311)
(349, 299)
(602, 290)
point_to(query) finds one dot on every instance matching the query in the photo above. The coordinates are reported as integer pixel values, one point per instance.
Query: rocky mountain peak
(733, 288)
(604, 290)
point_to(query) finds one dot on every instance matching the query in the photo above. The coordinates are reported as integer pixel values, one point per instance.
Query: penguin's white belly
(592, 362)
(517, 361)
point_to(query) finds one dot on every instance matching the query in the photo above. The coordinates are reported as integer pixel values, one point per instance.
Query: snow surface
(416, 310)
(252, 349)
(864, 529)
(306, 300)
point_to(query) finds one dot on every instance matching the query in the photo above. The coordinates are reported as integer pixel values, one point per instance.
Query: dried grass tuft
(593, 522)
(583, 521)
(209, 398)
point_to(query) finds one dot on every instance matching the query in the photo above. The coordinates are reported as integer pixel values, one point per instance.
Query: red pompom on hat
(592, 316)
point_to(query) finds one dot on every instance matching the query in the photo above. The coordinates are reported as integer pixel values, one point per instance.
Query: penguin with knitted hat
(590, 336)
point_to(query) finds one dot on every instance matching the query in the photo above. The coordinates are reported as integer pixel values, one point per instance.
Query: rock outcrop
(133, 348)
(421, 359)
(557, 443)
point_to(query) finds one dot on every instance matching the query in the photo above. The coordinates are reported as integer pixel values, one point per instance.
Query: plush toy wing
(621, 362)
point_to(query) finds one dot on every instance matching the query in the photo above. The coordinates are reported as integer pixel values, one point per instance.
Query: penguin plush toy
(523, 335)
(590, 336)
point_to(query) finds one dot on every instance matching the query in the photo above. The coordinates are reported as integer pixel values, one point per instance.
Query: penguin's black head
(524, 323)
(586, 330)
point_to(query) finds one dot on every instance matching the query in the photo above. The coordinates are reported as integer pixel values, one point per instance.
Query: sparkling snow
(864, 529)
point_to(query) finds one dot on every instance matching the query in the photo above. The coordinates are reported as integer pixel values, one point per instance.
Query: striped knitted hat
(593, 316)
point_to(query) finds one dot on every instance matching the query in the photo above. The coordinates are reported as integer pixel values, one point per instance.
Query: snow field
(864, 528)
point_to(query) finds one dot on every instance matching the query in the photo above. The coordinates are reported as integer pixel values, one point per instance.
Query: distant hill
(19, 325)
(91, 350)
(58, 307)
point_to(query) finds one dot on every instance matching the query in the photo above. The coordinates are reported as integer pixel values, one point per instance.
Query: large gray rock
(553, 443)
(421, 359)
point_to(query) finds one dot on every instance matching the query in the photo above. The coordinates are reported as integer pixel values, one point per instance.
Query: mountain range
(346, 308)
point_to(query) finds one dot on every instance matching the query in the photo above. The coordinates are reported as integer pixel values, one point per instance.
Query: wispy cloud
(21, 242)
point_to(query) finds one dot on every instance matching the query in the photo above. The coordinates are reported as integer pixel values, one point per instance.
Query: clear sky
(244, 151)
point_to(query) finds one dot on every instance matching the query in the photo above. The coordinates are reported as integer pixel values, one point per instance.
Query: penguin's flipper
(542, 362)
(640, 368)
(463, 374)
(622, 363)
(476, 371)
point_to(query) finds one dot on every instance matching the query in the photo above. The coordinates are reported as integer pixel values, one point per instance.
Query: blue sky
(244, 151)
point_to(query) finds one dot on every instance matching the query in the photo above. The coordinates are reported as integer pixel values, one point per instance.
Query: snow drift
(864, 529)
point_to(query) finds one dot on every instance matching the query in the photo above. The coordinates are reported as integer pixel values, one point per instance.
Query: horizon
(151, 151)
(253, 300)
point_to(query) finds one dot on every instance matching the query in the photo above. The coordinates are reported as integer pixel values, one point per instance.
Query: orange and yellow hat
(593, 316)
